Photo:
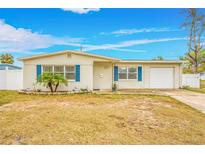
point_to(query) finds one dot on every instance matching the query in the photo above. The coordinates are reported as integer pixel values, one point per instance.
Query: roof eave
(151, 61)
(66, 51)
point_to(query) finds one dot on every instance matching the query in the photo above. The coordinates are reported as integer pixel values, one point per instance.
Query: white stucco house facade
(95, 72)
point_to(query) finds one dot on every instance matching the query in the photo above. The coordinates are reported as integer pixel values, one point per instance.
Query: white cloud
(81, 10)
(121, 45)
(89, 47)
(14, 39)
(131, 43)
(129, 50)
(135, 31)
(24, 40)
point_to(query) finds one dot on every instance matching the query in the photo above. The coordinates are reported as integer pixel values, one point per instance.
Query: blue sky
(121, 33)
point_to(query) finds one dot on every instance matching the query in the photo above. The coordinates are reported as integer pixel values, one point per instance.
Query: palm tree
(6, 58)
(52, 80)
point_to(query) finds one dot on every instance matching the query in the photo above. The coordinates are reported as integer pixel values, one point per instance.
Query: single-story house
(95, 72)
(9, 67)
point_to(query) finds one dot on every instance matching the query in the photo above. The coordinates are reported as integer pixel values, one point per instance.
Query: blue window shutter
(115, 73)
(77, 70)
(139, 73)
(38, 71)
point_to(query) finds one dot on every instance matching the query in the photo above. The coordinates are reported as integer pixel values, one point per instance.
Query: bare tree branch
(195, 23)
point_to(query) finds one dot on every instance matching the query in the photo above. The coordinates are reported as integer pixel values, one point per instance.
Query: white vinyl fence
(202, 76)
(11, 79)
(191, 80)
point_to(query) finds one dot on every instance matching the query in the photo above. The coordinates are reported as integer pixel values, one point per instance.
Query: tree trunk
(194, 22)
(56, 86)
(50, 86)
(196, 59)
(196, 68)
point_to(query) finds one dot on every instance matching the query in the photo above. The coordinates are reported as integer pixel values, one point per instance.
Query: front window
(132, 73)
(127, 73)
(59, 70)
(68, 71)
(123, 73)
(48, 69)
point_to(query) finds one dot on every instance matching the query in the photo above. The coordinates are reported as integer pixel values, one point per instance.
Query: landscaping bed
(52, 93)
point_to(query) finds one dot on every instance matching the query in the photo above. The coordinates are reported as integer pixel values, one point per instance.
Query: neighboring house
(9, 67)
(84, 70)
(202, 75)
(11, 77)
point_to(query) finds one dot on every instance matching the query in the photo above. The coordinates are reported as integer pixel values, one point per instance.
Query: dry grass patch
(98, 119)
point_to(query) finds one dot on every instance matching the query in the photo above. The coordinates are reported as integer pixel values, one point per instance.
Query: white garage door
(161, 77)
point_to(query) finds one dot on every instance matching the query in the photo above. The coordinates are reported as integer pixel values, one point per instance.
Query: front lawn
(202, 84)
(98, 119)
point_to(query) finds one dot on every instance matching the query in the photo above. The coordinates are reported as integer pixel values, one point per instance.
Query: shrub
(52, 80)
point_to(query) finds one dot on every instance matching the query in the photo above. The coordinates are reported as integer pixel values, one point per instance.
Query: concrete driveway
(193, 99)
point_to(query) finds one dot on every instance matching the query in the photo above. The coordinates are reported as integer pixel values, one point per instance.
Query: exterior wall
(86, 71)
(102, 76)
(145, 83)
(11, 79)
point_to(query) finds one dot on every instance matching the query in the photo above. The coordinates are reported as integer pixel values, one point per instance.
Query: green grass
(199, 90)
(202, 84)
(12, 96)
(98, 119)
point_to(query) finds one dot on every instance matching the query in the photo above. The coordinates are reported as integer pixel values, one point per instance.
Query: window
(59, 70)
(67, 71)
(127, 73)
(123, 73)
(70, 72)
(132, 73)
(48, 69)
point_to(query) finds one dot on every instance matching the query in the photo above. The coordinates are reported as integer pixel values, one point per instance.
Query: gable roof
(9, 66)
(67, 51)
(101, 57)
